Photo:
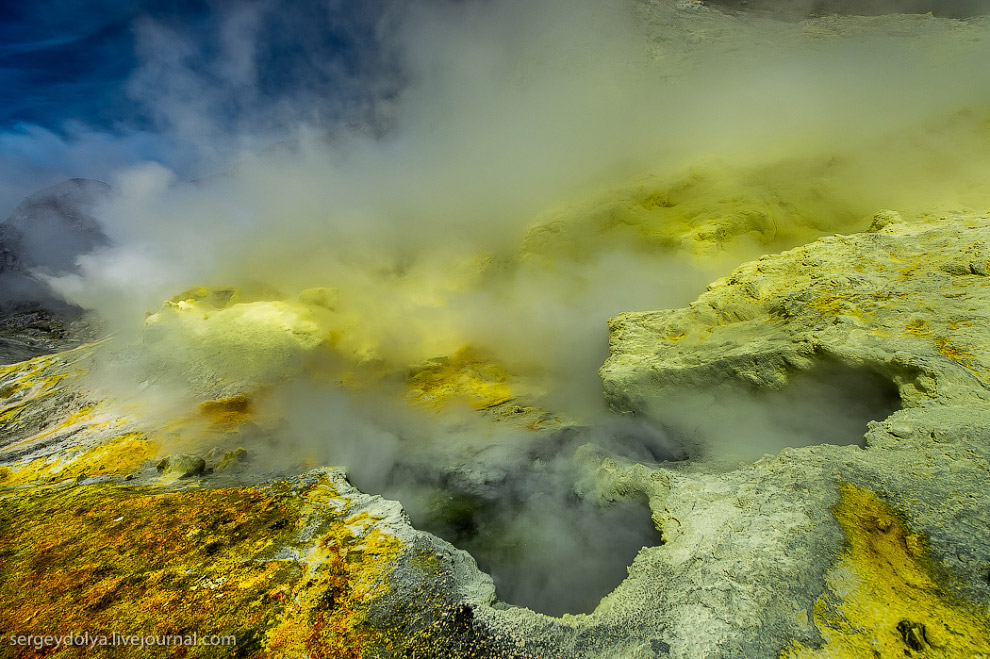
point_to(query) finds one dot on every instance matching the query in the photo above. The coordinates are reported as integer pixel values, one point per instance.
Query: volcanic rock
(906, 303)
(45, 234)
(48, 231)
(182, 466)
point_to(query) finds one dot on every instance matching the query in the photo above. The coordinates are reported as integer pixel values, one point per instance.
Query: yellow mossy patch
(953, 351)
(83, 416)
(214, 297)
(541, 423)
(79, 416)
(257, 342)
(352, 575)
(107, 558)
(918, 327)
(9, 415)
(76, 422)
(847, 304)
(908, 271)
(347, 569)
(120, 456)
(8, 390)
(25, 372)
(227, 413)
(463, 376)
(885, 601)
(960, 355)
(24, 382)
(709, 208)
(27, 368)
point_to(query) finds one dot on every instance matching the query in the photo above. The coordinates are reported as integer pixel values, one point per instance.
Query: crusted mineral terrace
(872, 548)
(905, 303)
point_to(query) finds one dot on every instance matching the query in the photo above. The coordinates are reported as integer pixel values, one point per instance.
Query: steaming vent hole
(528, 512)
(528, 520)
(830, 403)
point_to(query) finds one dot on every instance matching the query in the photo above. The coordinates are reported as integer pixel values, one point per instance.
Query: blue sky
(69, 61)
(159, 79)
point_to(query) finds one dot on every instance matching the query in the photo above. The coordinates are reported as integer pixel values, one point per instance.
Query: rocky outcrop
(37, 331)
(53, 226)
(907, 302)
(46, 233)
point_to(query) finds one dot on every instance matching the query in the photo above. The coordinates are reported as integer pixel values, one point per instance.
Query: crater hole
(531, 519)
(831, 403)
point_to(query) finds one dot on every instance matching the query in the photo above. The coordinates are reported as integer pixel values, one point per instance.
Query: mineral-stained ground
(819, 487)
(823, 550)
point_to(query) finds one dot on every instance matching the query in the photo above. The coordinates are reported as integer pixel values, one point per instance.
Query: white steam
(514, 113)
(730, 136)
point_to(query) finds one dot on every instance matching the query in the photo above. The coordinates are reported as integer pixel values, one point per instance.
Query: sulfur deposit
(791, 554)
(726, 395)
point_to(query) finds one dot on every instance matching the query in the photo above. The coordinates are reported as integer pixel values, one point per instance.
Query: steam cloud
(408, 180)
